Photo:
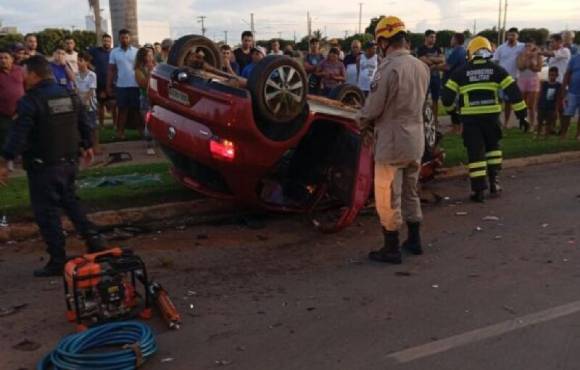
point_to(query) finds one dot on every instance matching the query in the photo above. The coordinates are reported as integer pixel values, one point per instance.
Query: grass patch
(15, 201)
(108, 135)
(515, 144)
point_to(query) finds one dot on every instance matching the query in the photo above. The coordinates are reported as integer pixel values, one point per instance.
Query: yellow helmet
(476, 44)
(389, 27)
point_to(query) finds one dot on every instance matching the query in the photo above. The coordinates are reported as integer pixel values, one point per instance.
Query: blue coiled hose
(71, 352)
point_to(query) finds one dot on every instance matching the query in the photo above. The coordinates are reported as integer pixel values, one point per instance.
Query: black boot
(95, 242)
(54, 267)
(413, 242)
(391, 252)
(477, 196)
(494, 187)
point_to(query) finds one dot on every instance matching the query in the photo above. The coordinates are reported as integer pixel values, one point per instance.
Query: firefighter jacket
(394, 108)
(478, 84)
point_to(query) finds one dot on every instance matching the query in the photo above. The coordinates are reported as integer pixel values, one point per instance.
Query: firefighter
(478, 84)
(49, 132)
(393, 116)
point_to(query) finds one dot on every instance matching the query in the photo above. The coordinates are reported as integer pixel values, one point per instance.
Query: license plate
(178, 96)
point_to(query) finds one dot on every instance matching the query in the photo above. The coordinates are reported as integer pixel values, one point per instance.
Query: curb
(205, 209)
(212, 209)
(458, 171)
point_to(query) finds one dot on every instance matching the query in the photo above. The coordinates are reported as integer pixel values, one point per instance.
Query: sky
(335, 18)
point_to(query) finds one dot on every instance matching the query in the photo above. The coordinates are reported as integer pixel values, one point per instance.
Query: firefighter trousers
(481, 138)
(396, 194)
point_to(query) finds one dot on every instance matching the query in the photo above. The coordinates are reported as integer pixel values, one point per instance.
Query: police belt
(37, 163)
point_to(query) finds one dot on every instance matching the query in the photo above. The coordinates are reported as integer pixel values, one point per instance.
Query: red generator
(102, 287)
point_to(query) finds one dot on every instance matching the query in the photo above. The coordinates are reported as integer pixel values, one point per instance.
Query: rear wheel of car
(279, 87)
(186, 46)
(430, 125)
(349, 95)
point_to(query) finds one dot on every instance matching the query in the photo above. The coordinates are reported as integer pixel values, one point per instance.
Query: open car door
(349, 180)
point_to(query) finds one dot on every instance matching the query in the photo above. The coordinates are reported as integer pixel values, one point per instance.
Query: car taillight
(222, 149)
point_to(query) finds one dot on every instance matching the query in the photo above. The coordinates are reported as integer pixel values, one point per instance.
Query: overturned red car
(264, 142)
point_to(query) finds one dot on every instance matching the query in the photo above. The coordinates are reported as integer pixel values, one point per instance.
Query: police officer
(478, 84)
(393, 116)
(49, 132)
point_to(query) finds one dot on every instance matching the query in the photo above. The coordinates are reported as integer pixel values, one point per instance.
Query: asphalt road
(500, 292)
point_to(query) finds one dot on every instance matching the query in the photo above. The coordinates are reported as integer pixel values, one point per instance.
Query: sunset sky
(289, 16)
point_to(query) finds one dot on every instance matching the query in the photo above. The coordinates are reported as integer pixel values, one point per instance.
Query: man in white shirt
(275, 48)
(558, 55)
(71, 55)
(506, 56)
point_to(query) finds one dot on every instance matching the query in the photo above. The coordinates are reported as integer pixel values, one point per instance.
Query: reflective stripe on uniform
(493, 86)
(452, 85)
(494, 153)
(481, 173)
(475, 165)
(495, 161)
(496, 108)
(506, 82)
(519, 106)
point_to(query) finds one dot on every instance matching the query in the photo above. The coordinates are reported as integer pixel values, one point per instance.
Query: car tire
(188, 44)
(278, 86)
(349, 95)
(430, 125)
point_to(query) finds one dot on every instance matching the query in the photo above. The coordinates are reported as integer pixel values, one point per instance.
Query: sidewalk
(137, 149)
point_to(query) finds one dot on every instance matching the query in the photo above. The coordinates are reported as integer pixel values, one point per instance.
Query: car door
(350, 181)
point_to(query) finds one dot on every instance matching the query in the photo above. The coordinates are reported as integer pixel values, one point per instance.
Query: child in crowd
(86, 84)
(144, 64)
(549, 103)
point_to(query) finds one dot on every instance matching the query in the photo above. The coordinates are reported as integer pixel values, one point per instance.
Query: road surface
(498, 288)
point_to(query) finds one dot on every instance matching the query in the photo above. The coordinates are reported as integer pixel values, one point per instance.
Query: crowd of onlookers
(115, 79)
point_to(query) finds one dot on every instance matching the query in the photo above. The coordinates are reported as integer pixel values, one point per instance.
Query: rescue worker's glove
(455, 118)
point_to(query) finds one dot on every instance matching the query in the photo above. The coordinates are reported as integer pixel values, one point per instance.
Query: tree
(95, 5)
(6, 41)
(363, 38)
(371, 27)
(124, 15)
(444, 38)
(538, 35)
(490, 34)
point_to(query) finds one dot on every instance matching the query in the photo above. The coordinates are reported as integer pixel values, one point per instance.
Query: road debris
(461, 213)
(509, 309)
(7, 311)
(478, 228)
(545, 225)
(223, 362)
(403, 273)
(497, 237)
(167, 359)
(26, 346)
(310, 309)
(490, 218)
(435, 286)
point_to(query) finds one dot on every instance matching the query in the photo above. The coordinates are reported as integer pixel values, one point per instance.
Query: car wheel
(349, 95)
(430, 125)
(186, 46)
(279, 87)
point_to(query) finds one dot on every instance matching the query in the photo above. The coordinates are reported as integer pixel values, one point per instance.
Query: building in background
(124, 15)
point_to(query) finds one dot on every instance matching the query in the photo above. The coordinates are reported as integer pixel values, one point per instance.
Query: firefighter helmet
(389, 27)
(479, 46)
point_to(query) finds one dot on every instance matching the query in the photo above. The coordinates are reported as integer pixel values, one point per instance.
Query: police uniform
(478, 84)
(48, 133)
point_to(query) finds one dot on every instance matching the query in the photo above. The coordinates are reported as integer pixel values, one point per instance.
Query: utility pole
(308, 25)
(226, 37)
(475, 26)
(279, 35)
(499, 24)
(252, 25)
(360, 18)
(504, 19)
(295, 37)
(201, 19)
(345, 34)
